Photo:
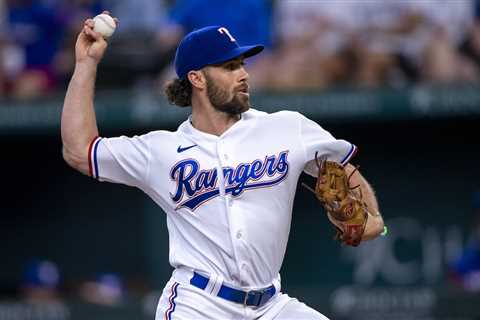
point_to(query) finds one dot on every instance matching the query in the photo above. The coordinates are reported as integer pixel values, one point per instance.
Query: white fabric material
(234, 224)
(297, 310)
(182, 301)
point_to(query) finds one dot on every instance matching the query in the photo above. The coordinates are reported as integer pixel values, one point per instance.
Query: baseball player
(226, 178)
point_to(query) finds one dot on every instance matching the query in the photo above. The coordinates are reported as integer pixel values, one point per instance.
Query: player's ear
(197, 79)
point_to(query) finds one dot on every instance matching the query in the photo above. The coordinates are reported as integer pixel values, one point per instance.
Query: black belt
(255, 298)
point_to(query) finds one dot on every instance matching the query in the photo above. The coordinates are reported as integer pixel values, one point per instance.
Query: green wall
(424, 173)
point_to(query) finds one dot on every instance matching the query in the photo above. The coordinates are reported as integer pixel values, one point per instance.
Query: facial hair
(219, 98)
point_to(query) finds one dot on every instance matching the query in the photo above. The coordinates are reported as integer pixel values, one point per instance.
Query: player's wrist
(86, 63)
(85, 70)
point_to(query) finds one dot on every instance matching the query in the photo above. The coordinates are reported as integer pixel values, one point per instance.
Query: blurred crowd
(310, 44)
(42, 292)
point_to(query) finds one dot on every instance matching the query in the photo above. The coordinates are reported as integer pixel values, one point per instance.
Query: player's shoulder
(284, 115)
(149, 138)
(158, 134)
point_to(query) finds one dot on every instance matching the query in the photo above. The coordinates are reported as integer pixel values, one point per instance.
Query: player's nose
(243, 74)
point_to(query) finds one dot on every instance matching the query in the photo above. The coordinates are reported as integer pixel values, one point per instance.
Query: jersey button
(239, 235)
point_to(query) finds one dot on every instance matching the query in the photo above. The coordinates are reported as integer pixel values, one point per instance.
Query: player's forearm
(79, 125)
(374, 226)
(375, 221)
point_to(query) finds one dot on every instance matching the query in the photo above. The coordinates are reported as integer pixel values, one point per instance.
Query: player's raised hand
(90, 45)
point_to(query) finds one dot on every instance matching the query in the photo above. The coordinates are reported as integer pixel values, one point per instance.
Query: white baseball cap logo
(224, 30)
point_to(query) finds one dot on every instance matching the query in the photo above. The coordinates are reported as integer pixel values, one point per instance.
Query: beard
(221, 100)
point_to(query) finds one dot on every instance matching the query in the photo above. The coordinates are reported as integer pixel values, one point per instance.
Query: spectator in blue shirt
(248, 20)
(38, 28)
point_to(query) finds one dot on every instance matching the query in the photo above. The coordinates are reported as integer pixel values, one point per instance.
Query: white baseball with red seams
(228, 199)
(104, 24)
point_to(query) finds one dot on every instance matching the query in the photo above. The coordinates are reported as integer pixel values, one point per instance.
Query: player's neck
(211, 121)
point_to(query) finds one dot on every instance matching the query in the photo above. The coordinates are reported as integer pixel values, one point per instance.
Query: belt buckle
(245, 298)
(257, 297)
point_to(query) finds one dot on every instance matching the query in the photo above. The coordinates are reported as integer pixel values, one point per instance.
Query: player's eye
(234, 65)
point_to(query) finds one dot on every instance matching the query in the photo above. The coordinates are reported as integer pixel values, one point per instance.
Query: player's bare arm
(375, 221)
(78, 124)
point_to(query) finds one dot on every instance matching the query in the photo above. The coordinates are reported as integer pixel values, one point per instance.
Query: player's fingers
(89, 22)
(94, 35)
(86, 31)
(81, 34)
(115, 19)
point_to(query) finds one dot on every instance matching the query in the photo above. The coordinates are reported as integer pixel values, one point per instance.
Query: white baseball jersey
(228, 198)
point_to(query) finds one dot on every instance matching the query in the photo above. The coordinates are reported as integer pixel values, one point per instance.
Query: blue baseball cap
(207, 46)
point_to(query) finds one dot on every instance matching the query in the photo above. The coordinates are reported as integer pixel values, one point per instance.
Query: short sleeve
(121, 160)
(316, 139)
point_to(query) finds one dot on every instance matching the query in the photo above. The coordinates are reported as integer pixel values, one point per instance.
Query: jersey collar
(187, 128)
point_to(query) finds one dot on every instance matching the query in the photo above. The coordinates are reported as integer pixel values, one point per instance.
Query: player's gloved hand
(343, 203)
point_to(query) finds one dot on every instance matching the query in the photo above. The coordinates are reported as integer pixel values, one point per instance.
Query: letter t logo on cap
(224, 30)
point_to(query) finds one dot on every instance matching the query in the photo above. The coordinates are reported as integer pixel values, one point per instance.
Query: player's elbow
(77, 161)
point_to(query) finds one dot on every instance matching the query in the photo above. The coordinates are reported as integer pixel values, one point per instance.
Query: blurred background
(398, 78)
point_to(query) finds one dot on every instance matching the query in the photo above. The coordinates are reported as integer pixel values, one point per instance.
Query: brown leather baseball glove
(343, 203)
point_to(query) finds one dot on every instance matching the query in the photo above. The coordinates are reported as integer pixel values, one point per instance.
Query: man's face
(227, 86)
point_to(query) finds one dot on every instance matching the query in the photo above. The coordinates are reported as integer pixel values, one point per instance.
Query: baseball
(104, 24)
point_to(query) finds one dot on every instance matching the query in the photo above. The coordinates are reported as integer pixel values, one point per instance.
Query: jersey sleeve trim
(353, 150)
(92, 158)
